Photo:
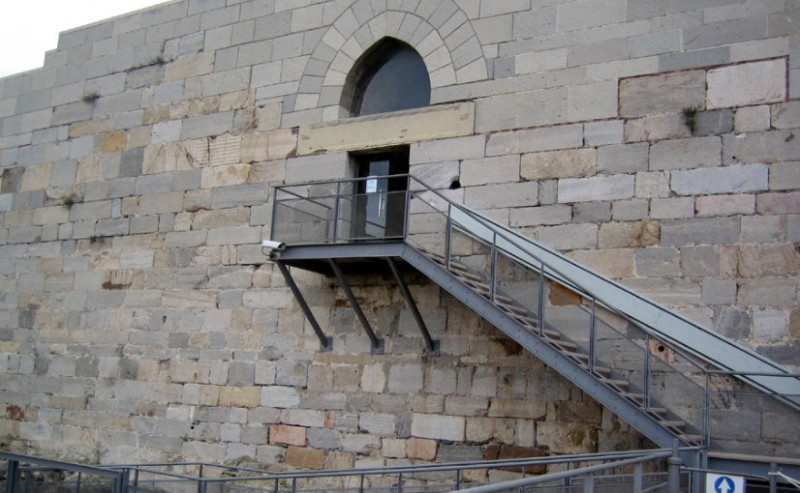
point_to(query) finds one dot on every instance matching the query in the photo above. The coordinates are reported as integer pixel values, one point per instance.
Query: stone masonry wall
(653, 141)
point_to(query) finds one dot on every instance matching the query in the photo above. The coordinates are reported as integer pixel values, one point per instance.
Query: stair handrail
(655, 320)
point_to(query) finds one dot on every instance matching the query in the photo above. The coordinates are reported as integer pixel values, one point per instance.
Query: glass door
(380, 200)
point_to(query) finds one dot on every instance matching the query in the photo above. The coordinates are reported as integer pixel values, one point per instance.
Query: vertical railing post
(336, 201)
(458, 479)
(12, 476)
(122, 481)
(674, 470)
(773, 478)
(638, 478)
(588, 484)
(136, 480)
(592, 331)
(201, 485)
(360, 483)
(542, 287)
(274, 211)
(407, 209)
(400, 482)
(493, 267)
(707, 412)
(447, 236)
(646, 376)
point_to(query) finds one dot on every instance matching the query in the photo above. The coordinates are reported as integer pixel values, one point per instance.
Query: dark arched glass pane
(395, 79)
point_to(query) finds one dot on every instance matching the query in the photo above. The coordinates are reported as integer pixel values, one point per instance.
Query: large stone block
(728, 179)
(504, 169)
(305, 458)
(664, 93)
(721, 231)
(502, 195)
(559, 164)
(536, 108)
(438, 427)
(396, 128)
(686, 153)
(747, 84)
(280, 397)
(595, 188)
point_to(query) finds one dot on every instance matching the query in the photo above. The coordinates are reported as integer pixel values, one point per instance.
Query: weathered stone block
(504, 169)
(663, 93)
(729, 179)
(540, 139)
(747, 84)
(722, 231)
(420, 448)
(686, 153)
(438, 427)
(287, 435)
(725, 205)
(377, 424)
(752, 119)
(280, 397)
(559, 164)
(595, 188)
(569, 236)
(405, 379)
(305, 458)
(247, 397)
(678, 208)
(656, 128)
(490, 429)
(502, 195)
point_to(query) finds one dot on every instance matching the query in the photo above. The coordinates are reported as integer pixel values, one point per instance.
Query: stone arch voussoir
(439, 31)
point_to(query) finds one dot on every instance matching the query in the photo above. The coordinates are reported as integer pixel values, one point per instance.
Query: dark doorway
(380, 199)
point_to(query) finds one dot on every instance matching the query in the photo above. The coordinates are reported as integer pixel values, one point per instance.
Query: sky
(29, 28)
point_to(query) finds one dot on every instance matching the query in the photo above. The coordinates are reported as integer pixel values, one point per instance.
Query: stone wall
(652, 141)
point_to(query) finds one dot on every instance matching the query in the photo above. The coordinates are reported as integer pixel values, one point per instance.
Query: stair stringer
(609, 398)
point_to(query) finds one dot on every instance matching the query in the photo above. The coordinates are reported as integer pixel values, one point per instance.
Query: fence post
(12, 476)
(773, 478)
(674, 470)
(638, 478)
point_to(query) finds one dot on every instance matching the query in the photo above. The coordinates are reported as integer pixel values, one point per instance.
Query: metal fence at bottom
(631, 471)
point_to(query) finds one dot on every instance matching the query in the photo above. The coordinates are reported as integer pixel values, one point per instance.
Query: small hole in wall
(455, 184)
(661, 348)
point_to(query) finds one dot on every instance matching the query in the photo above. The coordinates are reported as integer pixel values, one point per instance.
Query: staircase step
(633, 396)
(676, 424)
(577, 356)
(620, 384)
(511, 308)
(656, 411)
(464, 274)
(692, 439)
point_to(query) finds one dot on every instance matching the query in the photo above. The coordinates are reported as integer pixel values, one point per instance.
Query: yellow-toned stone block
(248, 397)
(114, 141)
(401, 127)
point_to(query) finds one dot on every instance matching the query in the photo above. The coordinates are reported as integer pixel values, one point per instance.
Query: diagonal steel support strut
(431, 346)
(376, 344)
(326, 343)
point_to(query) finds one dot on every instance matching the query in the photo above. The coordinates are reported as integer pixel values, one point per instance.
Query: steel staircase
(658, 371)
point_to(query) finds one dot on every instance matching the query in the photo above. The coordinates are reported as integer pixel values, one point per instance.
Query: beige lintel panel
(387, 129)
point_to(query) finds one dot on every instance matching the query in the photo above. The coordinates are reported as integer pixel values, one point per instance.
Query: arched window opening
(390, 76)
